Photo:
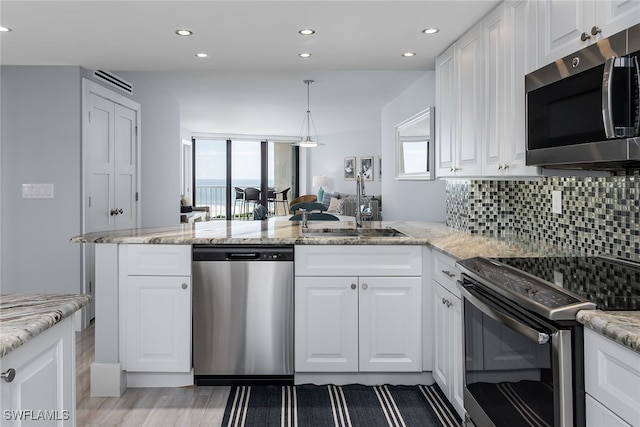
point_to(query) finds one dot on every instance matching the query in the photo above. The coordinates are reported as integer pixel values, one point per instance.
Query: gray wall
(409, 200)
(40, 144)
(161, 145)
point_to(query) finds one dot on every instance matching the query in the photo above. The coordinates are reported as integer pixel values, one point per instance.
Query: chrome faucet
(305, 218)
(359, 193)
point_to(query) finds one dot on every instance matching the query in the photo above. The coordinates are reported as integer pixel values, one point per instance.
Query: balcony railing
(213, 196)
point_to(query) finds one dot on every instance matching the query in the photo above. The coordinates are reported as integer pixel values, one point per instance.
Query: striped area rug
(341, 406)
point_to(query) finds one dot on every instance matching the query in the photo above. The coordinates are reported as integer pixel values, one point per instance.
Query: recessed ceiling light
(306, 32)
(408, 54)
(431, 30)
(184, 32)
(304, 55)
(202, 55)
(4, 29)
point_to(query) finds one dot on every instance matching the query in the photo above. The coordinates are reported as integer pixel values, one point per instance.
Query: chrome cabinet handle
(446, 302)
(595, 30)
(8, 375)
(353, 286)
(584, 37)
(120, 211)
(184, 286)
(448, 273)
(365, 286)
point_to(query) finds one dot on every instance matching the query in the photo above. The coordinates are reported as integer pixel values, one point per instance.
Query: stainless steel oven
(523, 349)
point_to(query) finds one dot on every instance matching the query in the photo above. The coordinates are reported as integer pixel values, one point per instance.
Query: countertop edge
(621, 326)
(25, 316)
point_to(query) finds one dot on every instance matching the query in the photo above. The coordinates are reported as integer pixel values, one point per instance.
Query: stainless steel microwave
(583, 111)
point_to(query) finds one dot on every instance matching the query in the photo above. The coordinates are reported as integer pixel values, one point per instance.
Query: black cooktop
(609, 283)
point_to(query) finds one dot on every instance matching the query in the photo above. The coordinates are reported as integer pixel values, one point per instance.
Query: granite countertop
(623, 327)
(24, 316)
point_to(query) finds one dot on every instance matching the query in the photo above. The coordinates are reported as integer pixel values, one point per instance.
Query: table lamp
(319, 181)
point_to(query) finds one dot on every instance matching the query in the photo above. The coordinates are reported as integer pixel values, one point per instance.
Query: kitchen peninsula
(37, 356)
(119, 253)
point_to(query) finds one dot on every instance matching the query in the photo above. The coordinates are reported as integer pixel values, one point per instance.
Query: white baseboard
(159, 379)
(107, 380)
(365, 378)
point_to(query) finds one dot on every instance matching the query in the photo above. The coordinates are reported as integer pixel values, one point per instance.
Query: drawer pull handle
(365, 286)
(448, 273)
(446, 302)
(184, 286)
(9, 375)
(353, 286)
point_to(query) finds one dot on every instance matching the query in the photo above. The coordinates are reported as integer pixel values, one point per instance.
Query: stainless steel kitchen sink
(352, 232)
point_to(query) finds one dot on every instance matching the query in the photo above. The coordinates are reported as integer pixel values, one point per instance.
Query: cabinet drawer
(358, 260)
(445, 272)
(599, 416)
(158, 260)
(612, 376)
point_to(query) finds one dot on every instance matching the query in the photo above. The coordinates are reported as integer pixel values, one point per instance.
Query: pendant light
(307, 124)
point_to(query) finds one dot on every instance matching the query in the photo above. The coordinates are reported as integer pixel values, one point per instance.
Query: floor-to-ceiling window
(227, 171)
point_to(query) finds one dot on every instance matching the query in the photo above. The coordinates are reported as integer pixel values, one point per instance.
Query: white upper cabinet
(458, 100)
(480, 98)
(566, 26)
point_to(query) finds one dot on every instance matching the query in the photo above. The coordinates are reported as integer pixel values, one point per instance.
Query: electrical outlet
(556, 202)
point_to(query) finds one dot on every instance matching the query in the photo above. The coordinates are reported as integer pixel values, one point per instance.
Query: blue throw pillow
(326, 199)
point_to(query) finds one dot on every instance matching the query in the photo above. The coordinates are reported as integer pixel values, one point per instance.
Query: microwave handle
(607, 112)
(607, 82)
(510, 322)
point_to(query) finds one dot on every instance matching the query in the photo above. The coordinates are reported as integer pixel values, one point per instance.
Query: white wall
(328, 160)
(40, 144)
(409, 200)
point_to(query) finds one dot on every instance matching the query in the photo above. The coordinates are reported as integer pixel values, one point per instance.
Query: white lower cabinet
(448, 367)
(156, 303)
(159, 323)
(360, 323)
(612, 382)
(43, 389)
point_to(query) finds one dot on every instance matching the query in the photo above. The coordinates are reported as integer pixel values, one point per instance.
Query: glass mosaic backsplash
(599, 214)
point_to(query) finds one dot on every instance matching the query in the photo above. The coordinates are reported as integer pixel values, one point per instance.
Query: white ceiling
(252, 81)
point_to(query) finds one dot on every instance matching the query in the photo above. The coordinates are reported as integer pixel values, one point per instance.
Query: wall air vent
(113, 80)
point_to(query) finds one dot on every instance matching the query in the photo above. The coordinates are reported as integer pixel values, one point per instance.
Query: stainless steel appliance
(242, 314)
(522, 348)
(583, 111)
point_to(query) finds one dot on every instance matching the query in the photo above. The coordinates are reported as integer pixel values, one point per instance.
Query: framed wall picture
(366, 168)
(349, 168)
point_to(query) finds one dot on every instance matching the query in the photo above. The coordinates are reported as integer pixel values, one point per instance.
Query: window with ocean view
(222, 165)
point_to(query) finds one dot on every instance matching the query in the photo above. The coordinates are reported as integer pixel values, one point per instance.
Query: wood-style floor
(184, 406)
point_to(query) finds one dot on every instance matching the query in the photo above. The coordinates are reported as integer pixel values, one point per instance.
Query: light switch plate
(37, 191)
(556, 202)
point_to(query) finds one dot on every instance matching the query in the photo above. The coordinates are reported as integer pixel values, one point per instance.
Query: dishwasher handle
(240, 256)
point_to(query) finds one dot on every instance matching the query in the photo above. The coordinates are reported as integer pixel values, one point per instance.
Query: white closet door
(125, 154)
(99, 179)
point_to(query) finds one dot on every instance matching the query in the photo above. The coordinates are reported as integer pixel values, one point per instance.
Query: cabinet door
(456, 356)
(599, 416)
(445, 112)
(616, 15)
(390, 324)
(326, 319)
(562, 23)
(158, 324)
(468, 55)
(495, 143)
(442, 338)
(44, 377)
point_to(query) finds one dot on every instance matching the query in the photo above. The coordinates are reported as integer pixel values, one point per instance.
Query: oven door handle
(527, 331)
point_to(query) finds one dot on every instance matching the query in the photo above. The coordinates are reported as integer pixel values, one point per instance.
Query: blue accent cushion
(326, 198)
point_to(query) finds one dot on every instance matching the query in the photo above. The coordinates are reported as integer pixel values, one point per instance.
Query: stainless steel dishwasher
(242, 314)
